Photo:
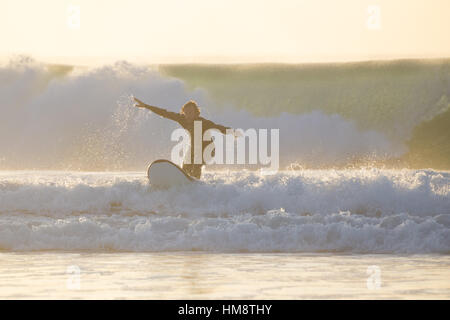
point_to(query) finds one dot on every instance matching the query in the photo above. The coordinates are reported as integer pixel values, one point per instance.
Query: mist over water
(82, 119)
(72, 118)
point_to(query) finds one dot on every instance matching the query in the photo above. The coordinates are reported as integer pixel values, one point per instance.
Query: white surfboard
(164, 174)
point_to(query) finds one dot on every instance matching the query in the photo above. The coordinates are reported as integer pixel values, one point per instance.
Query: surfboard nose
(164, 174)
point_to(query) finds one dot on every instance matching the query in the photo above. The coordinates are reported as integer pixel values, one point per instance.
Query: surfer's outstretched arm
(208, 124)
(159, 111)
(222, 129)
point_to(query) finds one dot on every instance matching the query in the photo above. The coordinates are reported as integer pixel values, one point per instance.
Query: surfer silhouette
(189, 113)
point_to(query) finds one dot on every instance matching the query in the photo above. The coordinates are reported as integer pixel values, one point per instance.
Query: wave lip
(357, 211)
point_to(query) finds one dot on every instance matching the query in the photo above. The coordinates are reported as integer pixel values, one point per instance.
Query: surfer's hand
(139, 103)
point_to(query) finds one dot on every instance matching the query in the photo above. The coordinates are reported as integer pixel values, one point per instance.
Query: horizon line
(102, 61)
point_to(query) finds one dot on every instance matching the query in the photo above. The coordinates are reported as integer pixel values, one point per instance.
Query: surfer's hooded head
(190, 110)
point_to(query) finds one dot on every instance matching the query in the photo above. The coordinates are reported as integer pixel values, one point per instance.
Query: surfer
(189, 113)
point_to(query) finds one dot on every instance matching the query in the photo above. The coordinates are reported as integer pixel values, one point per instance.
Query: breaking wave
(71, 118)
(356, 211)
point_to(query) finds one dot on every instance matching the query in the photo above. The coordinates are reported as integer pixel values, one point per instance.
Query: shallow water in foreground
(195, 275)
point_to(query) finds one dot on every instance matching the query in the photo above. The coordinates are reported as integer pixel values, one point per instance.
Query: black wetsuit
(193, 169)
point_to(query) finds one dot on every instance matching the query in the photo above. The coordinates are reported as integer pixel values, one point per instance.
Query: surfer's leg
(197, 171)
(187, 168)
(194, 170)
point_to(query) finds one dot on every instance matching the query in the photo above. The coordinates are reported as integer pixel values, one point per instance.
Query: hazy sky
(95, 31)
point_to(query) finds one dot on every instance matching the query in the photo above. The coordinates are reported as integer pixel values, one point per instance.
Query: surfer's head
(190, 110)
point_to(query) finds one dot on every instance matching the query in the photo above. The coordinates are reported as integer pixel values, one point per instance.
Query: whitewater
(345, 211)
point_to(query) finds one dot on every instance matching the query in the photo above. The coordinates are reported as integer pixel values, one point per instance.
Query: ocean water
(315, 234)
(344, 211)
(394, 114)
(359, 209)
(196, 275)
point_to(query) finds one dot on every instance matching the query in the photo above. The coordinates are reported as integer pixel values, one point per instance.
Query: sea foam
(357, 211)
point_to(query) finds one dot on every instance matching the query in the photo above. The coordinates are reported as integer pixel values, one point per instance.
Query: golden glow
(223, 30)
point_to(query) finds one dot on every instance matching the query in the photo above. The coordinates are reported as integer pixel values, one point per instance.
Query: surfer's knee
(194, 170)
